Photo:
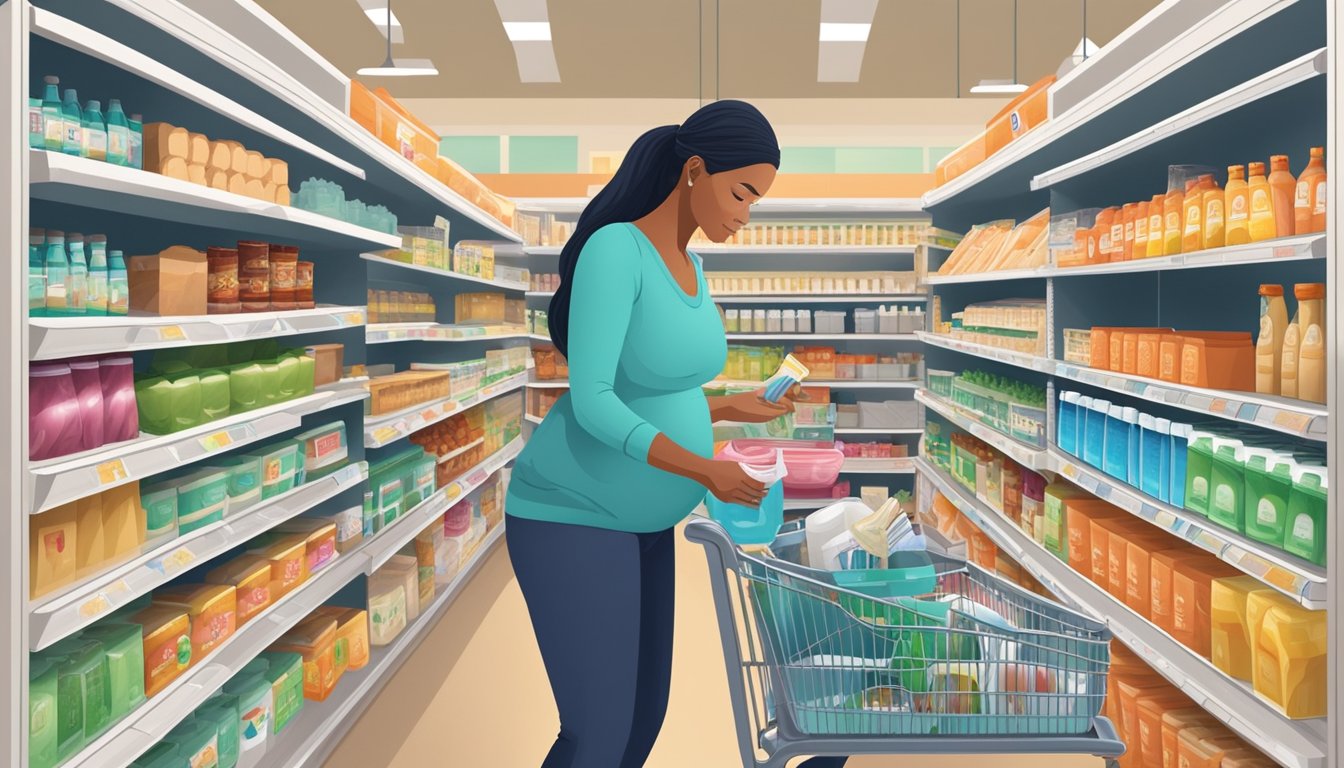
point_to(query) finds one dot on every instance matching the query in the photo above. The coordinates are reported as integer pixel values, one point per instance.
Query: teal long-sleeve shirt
(640, 349)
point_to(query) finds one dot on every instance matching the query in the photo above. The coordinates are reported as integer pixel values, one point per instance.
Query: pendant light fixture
(403, 68)
(1004, 86)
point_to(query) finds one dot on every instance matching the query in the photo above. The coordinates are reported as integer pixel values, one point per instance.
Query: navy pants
(601, 604)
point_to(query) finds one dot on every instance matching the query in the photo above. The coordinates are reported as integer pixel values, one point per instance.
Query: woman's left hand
(753, 408)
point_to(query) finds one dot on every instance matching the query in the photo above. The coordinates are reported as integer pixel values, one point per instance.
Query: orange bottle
(1171, 226)
(1192, 218)
(1140, 249)
(1156, 242)
(1283, 188)
(1127, 247)
(1214, 233)
(1310, 196)
(1237, 207)
(1262, 223)
(1105, 233)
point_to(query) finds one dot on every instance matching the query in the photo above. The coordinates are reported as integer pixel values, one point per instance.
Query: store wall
(475, 695)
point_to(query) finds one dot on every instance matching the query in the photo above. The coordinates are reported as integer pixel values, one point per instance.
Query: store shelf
(151, 721)
(80, 181)
(832, 384)
(834, 206)
(401, 531)
(61, 337)
(709, 249)
(539, 337)
(1294, 417)
(1297, 71)
(902, 466)
(67, 478)
(1029, 456)
(388, 333)
(1298, 579)
(801, 505)
(879, 430)
(1278, 250)
(787, 298)
(453, 454)
(384, 430)
(77, 37)
(548, 384)
(822, 337)
(540, 294)
(532, 418)
(1019, 359)
(541, 250)
(55, 617)
(316, 731)
(504, 285)
(266, 82)
(1297, 743)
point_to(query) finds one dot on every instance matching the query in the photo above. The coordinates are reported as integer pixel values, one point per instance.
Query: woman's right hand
(729, 482)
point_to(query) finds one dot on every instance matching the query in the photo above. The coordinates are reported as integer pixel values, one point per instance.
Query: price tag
(1218, 405)
(477, 477)
(354, 318)
(429, 414)
(171, 333)
(217, 441)
(119, 586)
(452, 492)
(384, 434)
(1284, 580)
(1295, 421)
(95, 606)
(178, 560)
(111, 472)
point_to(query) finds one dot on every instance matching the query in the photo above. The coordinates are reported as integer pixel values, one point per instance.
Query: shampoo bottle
(1155, 219)
(118, 134)
(1269, 344)
(1192, 231)
(1237, 207)
(57, 267)
(96, 291)
(1262, 223)
(118, 288)
(77, 279)
(95, 132)
(1311, 346)
(1282, 188)
(1214, 233)
(73, 121)
(53, 119)
(1310, 196)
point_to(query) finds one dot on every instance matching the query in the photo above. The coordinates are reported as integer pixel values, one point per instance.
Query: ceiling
(658, 49)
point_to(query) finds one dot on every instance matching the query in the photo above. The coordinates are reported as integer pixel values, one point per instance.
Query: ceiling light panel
(376, 10)
(528, 31)
(842, 39)
(844, 32)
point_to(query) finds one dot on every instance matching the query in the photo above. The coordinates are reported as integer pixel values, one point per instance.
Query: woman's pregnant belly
(580, 471)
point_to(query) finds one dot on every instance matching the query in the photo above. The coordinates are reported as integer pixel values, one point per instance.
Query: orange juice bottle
(1105, 228)
(1237, 206)
(1140, 249)
(1171, 227)
(1156, 242)
(1262, 223)
(1310, 195)
(1127, 247)
(1282, 188)
(1214, 233)
(1192, 218)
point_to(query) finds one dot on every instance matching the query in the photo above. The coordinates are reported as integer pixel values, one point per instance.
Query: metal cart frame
(753, 674)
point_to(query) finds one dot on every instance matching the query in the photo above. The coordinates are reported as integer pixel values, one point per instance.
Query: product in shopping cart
(828, 522)
(760, 524)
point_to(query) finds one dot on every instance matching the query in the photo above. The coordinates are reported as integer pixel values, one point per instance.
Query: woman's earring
(690, 182)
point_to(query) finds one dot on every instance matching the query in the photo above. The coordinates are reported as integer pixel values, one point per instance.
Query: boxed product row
(544, 282)
(756, 363)
(84, 537)
(808, 421)
(810, 233)
(384, 117)
(469, 376)
(1026, 112)
(57, 124)
(1000, 245)
(67, 278)
(400, 307)
(1267, 490)
(893, 319)
(548, 364)
(889, 414)
(488, 308)
(467, 438)
(1197, 214)
(1012, 407)
(728, 284)
(543, 229)
(327, 198)
(540, 401)
(1017, 325)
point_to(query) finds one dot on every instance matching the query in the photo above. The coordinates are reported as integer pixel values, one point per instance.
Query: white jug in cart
(828, 522)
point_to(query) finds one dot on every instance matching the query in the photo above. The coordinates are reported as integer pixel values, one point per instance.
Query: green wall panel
(543, 154)
(478, 154)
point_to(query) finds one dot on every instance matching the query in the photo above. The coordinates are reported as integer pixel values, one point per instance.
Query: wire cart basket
(971, 665)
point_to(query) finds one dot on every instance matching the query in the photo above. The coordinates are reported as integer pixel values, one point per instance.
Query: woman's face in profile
(721, 202)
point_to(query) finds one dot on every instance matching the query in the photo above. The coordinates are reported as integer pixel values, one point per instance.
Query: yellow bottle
(1262, 223)
(1269, 344)
(1311, 345)
(1237, 206)
(1214, 234)
(1282, 188)
(1155, 219)
(1289, 661)
(1171, 226)
(1192, 220)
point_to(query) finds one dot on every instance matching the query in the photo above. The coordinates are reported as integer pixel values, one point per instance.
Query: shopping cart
(977, 666)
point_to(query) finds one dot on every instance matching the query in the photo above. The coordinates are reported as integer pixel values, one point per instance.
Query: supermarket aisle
(475, 693)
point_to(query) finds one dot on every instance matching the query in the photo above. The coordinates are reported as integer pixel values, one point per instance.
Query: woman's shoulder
(618, 235)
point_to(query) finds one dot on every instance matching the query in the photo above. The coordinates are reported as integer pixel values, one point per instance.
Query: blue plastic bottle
(57, 268)
(1094, 449)
(77, 279)
(1116, 445)
(96, 292)
(1080, 436)
(73, 119)
(53, 120)
(1162, 437)
(1131, 419)
(1067, 430)
(118, 134)
(118, 288)
(95, 132)
(1180, 442)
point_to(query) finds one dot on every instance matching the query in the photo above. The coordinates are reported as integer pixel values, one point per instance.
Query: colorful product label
(323, 446)
(53, 131)
(1260, 201)
(1238, 211)
(1302, 195)
(321, 554)
(254, 725)
(1320, 198)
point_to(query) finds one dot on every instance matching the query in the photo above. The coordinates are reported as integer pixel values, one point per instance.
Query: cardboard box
(171, 282)
(329, 363)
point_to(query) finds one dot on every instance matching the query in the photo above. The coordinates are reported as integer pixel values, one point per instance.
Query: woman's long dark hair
(725, 134)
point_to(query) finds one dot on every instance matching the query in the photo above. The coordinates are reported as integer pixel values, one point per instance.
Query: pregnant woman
(626, 454)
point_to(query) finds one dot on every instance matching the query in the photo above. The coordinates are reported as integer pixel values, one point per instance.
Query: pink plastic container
(812, 465)
(89, 390)
(54, 427)
(457, 521)
(121, 419)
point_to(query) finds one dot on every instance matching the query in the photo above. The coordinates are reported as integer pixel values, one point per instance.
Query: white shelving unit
(176, 55)
(1115, 124)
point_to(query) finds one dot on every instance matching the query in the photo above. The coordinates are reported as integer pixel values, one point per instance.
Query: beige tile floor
(475, 694)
